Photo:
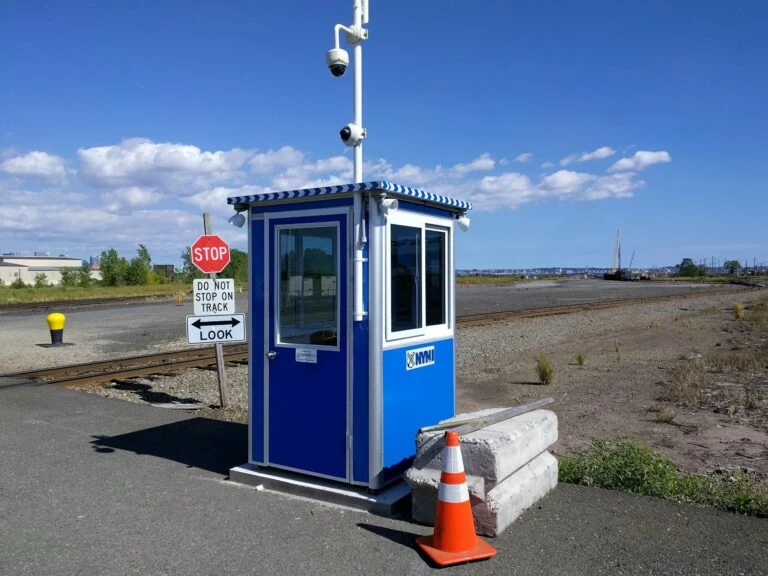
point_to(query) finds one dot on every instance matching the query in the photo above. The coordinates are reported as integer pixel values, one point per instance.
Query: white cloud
(620, 185)
(547, 165)
(524, 157)
(141, 162)
(268, 162)
(482, 162)
(216, 198)
(565, 181)
(36, 164)
(154, 192)
(133, 196)
(640, 160)
(599, 154)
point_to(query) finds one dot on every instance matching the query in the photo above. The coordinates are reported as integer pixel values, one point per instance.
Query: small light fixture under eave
(463, 221)
(388, 205)
(237, 219)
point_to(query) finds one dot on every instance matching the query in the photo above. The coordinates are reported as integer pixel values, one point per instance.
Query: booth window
(308, 268)
(437, 273)
(405, 254)
(418, 294)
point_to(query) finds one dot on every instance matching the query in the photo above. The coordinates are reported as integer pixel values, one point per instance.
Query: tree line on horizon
(117, 270)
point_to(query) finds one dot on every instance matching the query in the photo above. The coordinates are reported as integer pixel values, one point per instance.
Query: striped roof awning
(383, 185)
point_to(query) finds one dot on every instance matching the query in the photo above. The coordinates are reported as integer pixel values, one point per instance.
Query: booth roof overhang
(413, 194)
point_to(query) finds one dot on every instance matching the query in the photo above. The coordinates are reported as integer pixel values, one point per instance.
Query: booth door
(307, 346)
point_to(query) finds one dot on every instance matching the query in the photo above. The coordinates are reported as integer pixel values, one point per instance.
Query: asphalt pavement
(91, 485)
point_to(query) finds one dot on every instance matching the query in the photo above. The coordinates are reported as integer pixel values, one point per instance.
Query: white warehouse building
(13, 267)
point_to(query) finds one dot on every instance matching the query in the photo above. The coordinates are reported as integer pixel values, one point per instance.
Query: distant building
(13, 267)
(165, 271)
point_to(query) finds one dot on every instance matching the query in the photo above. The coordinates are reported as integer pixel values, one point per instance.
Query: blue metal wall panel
(298, 205)
(256, 313)
(360, 385)
(422, 209)
(414, 398)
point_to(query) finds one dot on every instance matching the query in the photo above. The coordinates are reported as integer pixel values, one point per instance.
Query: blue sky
(120, 122)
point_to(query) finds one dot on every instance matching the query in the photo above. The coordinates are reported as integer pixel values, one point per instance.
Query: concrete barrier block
(509, 499)
(496, 452)
(424, 484)
(502, 505)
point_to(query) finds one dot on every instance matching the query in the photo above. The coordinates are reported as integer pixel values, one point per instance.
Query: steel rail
(135, 365)
(481, 319)
(165, 362)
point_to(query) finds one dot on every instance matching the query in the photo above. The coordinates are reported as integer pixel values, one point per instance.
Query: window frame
(277, 300)
(423, 222)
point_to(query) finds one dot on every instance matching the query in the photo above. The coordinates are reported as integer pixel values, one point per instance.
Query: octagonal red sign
(210, 253)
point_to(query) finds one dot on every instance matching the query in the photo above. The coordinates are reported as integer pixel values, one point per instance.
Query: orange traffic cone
(454, 540)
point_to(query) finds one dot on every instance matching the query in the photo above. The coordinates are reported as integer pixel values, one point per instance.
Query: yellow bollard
(56, 326)
(178, 298)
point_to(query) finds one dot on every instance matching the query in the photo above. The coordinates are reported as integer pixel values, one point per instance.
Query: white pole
(357, 118)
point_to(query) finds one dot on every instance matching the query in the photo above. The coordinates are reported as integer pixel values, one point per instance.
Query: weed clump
(581, 359)
(685, 384)
(738, 309)
(545, 371)
(630, 466)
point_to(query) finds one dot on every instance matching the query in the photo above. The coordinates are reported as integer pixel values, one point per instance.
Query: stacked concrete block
(507, 465)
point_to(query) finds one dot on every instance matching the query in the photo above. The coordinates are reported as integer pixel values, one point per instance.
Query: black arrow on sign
(231, 322)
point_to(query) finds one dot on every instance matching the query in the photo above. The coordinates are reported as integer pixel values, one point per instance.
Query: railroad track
(89, 373)
(468, 320)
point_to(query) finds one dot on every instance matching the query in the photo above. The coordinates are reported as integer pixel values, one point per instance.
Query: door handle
(271, 355)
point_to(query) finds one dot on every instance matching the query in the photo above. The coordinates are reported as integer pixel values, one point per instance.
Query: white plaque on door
(308, 355)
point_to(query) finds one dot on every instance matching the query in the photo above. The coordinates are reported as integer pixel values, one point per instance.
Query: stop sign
(210, 253)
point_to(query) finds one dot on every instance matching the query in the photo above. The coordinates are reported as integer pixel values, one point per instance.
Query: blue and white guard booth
(352, 325)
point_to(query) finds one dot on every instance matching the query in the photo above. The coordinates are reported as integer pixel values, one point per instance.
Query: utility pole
(223, 397)
(353, 134)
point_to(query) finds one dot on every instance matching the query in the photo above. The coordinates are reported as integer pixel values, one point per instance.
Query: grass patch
(630, 466)
(53, 293)
(655, 324)
(581, 359)
(738, 309)
(757, 315)
(545, 371)
(735, 362)
(665, 415)
(617, 350)
(686, 383)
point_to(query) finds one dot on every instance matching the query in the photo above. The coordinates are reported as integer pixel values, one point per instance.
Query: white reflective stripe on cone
(453, 493)
(452, 461)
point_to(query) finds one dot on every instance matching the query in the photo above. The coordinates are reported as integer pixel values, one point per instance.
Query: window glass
(405, 250)
(308, 306)
(436, 274)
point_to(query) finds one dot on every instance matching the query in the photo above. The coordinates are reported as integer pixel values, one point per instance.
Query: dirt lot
(688, 378)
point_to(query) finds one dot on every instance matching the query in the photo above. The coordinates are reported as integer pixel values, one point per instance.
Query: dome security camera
(337, 61)
(352, 134)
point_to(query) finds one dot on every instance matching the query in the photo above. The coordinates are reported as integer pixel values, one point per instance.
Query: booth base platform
(391, 501)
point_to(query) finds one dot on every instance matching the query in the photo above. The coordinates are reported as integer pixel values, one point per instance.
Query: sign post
(211, 255)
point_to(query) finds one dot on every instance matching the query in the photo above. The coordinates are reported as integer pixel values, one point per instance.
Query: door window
(308, 274)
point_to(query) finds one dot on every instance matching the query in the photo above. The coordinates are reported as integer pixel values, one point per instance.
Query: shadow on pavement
(214, 445)
(407, 539)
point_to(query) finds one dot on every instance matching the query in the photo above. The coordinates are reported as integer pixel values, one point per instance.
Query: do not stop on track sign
(210, 253)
